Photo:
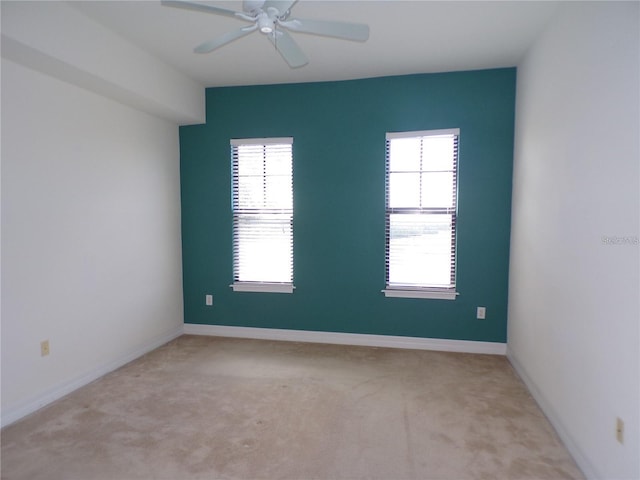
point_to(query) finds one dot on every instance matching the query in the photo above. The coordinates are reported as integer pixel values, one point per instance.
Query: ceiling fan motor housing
(266, 23)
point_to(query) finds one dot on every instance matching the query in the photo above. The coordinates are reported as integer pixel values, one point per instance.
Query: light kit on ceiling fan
(271, 18)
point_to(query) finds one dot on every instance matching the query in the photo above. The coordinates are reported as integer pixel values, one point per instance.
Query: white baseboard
(415, 343)
(59, 391)
(583, 462)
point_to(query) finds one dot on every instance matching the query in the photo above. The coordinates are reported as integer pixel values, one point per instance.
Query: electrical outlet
(481, 313)
(208, 300)
(619, 430)
(44, 348)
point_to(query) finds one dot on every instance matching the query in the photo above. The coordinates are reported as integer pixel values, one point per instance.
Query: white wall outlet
(44, 348)
(619, 430)
(208, 300)
(481, 313)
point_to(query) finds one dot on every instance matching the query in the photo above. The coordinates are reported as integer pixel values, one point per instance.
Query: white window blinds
(262, 204)
(421, 197)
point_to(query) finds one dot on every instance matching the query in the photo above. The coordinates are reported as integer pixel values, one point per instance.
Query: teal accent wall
(339, 155)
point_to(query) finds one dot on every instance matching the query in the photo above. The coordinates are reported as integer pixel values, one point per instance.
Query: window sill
(262, 287)
(420, 293)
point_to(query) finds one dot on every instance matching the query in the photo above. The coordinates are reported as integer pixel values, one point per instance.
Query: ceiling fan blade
(218, 42)
(251, 5)
(281, 5)
(198, 7)
(288, 48)
(327, 28)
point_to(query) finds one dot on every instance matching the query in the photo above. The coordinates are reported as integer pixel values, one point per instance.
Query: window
(262, 206)
(421, 203)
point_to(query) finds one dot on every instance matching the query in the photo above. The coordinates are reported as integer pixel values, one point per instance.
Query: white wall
(91, 255)
(574, 300)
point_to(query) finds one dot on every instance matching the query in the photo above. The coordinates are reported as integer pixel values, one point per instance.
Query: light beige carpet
(215, 408)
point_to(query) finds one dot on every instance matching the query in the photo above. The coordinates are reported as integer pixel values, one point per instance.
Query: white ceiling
(406, 37)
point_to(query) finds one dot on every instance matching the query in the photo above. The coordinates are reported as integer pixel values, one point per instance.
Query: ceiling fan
(271, 18)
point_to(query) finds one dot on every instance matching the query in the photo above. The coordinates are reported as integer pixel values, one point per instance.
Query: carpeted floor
(216, 408)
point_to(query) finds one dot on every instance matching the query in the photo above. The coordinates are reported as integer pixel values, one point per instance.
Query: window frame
(448, 292)
(237, 212)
